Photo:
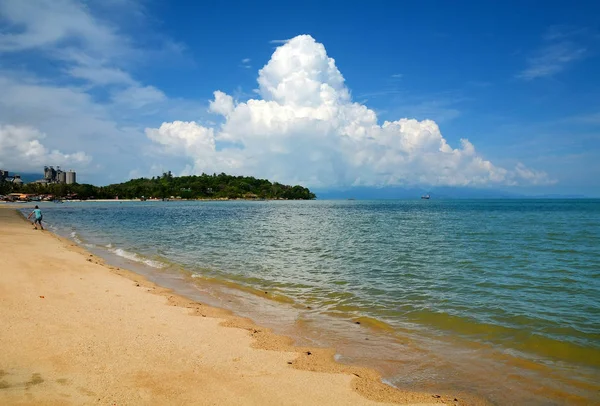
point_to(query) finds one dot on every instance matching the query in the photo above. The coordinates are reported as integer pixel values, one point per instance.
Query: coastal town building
(52, 175)
(5, 177)
(71, 178)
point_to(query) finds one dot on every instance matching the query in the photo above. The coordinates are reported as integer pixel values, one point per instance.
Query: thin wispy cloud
(246, 63)
(560, 51)
(590, 119)
(560, 32)
(552, 59)
(379, 93)
(397, 76)
(278, 41)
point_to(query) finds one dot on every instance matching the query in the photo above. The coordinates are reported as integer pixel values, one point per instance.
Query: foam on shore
(132, 256)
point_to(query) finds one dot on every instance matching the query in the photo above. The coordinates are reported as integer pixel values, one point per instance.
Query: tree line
(204, 186)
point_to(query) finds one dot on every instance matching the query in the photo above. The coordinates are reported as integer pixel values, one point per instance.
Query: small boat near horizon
(425, 197)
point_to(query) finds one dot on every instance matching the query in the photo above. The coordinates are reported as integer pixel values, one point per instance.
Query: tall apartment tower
(70, 177)
(50, 174)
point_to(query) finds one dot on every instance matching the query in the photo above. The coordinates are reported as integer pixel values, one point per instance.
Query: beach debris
(357, 322)
(309, 308)
(290, 362)
(42, 297)
(266, 293)
(89, 260)
(356, 374)
(308, 353)
(137, 284)
(456, 400)
(437, 396)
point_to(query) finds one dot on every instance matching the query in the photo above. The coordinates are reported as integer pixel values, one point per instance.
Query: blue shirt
(38, 213)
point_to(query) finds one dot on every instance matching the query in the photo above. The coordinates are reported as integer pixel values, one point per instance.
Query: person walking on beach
(38, 217)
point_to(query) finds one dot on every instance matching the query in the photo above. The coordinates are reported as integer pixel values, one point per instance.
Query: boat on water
(425, 197)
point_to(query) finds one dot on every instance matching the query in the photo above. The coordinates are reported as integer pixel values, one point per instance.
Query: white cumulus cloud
(21, 147)
(222, 104)
(306, 129)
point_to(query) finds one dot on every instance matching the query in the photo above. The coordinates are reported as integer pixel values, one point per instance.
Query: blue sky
(122, 88)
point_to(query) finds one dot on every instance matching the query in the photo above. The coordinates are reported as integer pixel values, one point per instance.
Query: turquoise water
(520, 278)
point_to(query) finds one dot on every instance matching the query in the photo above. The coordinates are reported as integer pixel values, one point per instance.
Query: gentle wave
(137, 258)
(75, 237)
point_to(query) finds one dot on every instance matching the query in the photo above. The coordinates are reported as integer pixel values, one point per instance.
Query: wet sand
(77, 331)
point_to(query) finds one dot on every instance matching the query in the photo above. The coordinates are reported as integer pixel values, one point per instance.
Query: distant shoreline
(143, 200)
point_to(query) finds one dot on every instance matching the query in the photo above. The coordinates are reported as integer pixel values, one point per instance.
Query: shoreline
(222, 199)
(313, 362)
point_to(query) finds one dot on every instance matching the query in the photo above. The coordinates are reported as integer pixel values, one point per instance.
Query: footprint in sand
(36, 379)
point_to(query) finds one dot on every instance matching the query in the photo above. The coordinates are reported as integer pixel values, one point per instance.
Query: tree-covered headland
(221, 186)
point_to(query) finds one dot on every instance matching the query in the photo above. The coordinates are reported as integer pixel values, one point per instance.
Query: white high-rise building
(71, 178)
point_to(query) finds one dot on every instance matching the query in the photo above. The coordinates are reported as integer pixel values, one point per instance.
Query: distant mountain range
(28, 177)
(365, 193)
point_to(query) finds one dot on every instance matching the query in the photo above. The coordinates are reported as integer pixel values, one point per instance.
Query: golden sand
(75, 331)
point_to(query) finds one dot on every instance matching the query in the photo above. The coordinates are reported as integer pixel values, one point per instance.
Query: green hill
(207, 186)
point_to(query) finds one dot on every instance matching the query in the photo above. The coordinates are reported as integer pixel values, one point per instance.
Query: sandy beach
(76, 331)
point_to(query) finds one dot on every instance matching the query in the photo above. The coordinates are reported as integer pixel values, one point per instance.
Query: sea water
(496, 297)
